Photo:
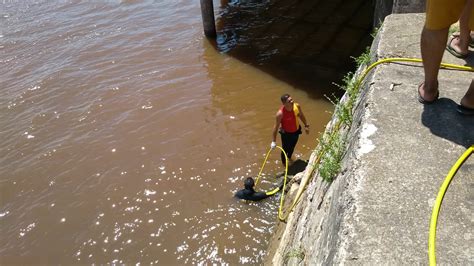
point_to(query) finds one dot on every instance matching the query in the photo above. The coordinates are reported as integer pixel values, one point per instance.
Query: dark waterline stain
(305, 43)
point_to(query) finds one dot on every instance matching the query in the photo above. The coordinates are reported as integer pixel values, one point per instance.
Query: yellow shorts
(441, 14)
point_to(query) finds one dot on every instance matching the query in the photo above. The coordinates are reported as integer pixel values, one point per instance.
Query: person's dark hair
(284, 97)
(249, 183)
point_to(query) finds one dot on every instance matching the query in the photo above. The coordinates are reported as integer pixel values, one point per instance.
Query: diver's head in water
(248, 193)
(249, 183)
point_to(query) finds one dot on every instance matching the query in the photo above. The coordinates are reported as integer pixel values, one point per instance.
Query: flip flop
(465, 110)
(471, 43)
(422, 100)
(450, 49)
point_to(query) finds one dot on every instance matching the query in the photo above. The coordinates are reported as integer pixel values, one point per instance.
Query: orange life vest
(289, 119)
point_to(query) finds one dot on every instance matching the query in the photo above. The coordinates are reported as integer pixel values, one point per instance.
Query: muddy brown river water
(124, 133)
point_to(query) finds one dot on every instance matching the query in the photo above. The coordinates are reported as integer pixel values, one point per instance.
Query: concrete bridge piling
(208, 21)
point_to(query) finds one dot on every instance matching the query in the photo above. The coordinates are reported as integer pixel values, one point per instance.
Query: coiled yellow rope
(432, 236)
(284, 180)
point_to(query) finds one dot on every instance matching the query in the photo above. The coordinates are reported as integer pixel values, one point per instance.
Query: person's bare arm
(277, 125)
(303, 119)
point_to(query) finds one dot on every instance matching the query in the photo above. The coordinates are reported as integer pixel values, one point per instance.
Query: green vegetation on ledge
(333, 143)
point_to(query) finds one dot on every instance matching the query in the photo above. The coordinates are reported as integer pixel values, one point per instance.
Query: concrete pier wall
(378, 209)
(384, 8)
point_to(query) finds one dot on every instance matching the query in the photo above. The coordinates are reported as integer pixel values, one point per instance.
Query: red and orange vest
(289, 119)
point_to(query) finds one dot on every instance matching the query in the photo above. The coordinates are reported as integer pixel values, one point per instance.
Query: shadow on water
(308, 44)
(297, 167)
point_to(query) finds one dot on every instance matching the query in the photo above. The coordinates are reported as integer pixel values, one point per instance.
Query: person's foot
(464, 110)
(457, 48)
(426, 94)
(466, 103)
(466, 107)
(471, 41)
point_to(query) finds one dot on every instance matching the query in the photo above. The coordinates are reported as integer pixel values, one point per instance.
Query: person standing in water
(287, 124)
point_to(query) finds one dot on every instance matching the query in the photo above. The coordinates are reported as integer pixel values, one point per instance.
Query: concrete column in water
(207, 12)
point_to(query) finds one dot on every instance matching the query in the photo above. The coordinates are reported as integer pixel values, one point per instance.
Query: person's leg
(433, 43)
(468, 99)
(465, 20)
(285, 143)
(440, 14)
(288, 142)
(461, 42)
(291, 147)
(471, 25)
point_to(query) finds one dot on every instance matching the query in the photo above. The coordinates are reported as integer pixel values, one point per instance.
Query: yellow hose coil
(336, 128)
(265, 161)
(452, 172)
(439, 199)
(284, 180)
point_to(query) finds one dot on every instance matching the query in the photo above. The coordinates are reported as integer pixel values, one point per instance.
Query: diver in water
(249, 193)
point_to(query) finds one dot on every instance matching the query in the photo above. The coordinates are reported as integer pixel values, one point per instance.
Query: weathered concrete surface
(377, 211)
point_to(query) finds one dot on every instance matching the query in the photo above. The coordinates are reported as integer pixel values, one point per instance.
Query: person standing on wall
(287, 124)
(459, 43)
(440, 15)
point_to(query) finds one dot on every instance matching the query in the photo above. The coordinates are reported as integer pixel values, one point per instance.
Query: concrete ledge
(378, 209)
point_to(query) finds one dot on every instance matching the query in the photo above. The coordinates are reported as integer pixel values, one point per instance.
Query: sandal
(451, 49)
(471, 43)
(465, 110)
(422, 100)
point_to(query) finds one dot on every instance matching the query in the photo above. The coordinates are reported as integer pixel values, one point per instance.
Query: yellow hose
(282, 199)
(409, 60)
(452, 172)
(336, 128)
(284, 180)
(439, 199)
(265, 161)
(431, 249)
(434, 217)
